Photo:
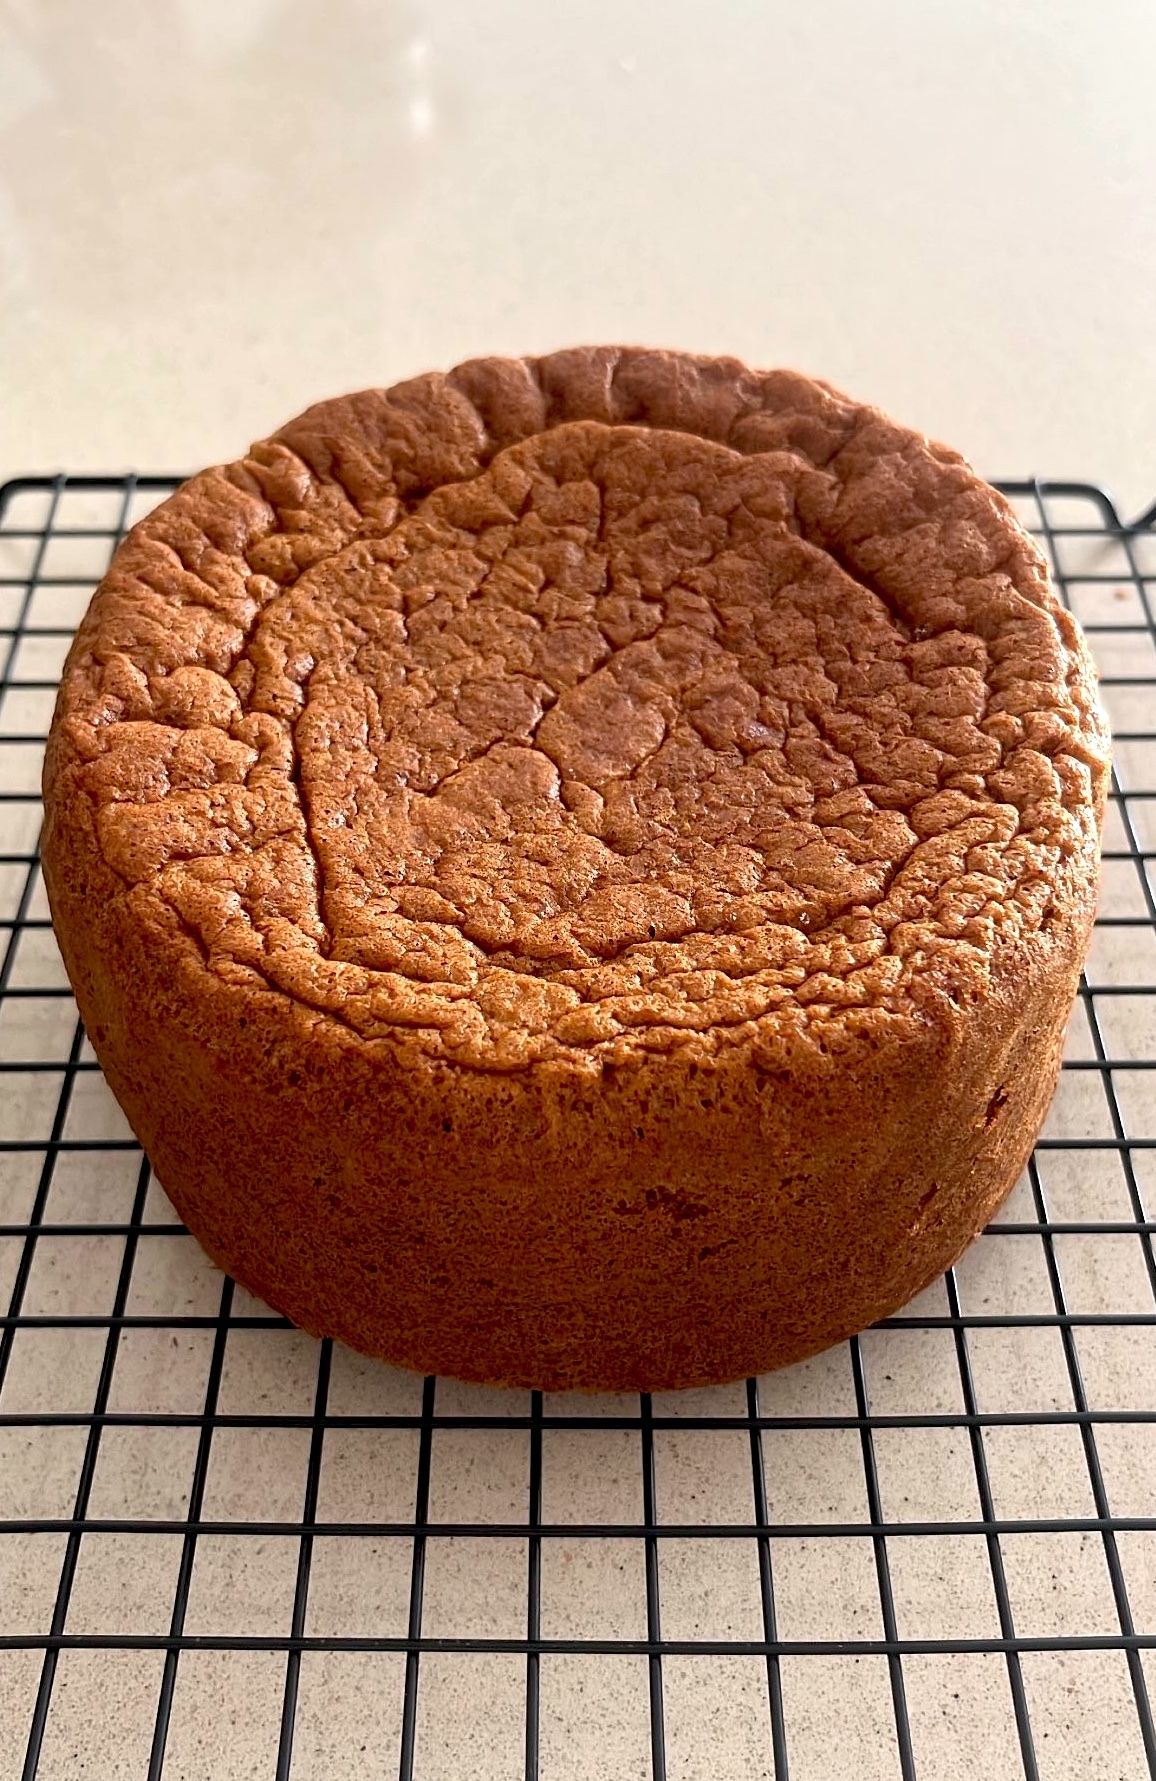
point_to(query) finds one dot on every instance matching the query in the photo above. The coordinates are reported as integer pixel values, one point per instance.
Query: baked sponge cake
(577, 869)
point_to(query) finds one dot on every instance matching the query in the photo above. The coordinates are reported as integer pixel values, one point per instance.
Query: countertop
(230, 1553)
(213, 212)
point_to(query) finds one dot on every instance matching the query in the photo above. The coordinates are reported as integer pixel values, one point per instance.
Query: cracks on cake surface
(296, 779)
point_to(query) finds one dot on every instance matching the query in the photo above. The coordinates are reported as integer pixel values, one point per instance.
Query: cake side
(666, 1225)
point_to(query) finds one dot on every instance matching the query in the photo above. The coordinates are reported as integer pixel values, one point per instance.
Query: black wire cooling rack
(227, 1550)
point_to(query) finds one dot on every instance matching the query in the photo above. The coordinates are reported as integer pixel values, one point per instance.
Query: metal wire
(55, 536)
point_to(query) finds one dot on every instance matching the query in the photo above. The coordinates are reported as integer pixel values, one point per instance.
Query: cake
(577, 869)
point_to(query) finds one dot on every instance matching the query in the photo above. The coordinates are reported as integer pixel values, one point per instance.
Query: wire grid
(229, 1550)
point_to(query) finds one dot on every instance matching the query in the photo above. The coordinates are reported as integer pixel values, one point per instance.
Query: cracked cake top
(574, 708)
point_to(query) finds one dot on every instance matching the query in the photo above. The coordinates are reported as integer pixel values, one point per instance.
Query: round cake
(577, 869)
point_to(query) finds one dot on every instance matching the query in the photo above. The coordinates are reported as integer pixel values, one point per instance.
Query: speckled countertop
(213, 212)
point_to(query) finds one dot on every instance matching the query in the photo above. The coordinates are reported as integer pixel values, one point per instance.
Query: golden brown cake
(577, 869)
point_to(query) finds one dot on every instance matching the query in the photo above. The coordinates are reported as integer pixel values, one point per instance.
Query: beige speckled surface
(214, 211)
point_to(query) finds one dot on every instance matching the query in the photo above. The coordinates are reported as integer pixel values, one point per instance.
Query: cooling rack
(227, 1550)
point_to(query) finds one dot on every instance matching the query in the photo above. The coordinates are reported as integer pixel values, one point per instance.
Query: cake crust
(577, 869)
